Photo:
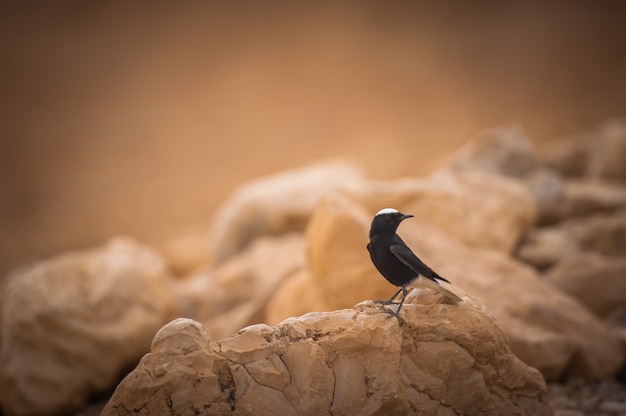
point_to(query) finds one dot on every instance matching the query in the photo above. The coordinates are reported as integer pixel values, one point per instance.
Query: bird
(393, 258)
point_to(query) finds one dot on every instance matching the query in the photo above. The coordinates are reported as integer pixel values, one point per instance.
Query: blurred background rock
(139, 118)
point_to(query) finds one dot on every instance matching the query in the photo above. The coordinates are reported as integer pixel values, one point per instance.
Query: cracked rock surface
(444, 360)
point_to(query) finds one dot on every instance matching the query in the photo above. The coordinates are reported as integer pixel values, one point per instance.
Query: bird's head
(388, 219)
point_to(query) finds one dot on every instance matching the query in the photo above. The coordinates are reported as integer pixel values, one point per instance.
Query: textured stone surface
(549, 330)
(444, 360)
(595, 280)
(72, 324)
(274, 205)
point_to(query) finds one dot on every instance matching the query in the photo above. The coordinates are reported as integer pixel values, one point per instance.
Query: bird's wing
(406, 256)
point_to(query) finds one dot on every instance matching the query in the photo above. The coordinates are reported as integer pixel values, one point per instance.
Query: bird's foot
(395, 314)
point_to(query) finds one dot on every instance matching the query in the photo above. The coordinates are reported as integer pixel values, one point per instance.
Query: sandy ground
(139, 119)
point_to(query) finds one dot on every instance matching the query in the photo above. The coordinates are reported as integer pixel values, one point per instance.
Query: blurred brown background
(140, 118)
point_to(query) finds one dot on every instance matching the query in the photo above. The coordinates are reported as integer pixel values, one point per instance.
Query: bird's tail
(434, 285)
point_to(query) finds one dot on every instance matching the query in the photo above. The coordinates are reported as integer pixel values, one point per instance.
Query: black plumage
(395, 260)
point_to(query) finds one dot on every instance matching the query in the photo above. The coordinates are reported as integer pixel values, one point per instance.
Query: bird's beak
(405, 216)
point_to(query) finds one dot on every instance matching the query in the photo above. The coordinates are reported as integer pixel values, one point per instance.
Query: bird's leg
(397, 312)
(390, 301)
(404, 293)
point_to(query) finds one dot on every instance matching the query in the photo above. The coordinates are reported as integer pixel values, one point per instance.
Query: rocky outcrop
(602, 233)
(72, 324)
(480, 209)
(507, 152)
(294, 243)
(274, 205)
(588, 198)
(599, 154)
(235, 294)
(548, 329)
(597, 281)
(444, 360)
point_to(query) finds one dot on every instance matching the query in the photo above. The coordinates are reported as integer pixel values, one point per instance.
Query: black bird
(395, 260)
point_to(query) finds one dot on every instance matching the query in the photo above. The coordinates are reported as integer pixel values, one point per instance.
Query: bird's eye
(388, 219)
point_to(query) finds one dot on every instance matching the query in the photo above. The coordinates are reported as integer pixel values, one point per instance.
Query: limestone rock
(544, 247)
(595, 280)
(339, 223)
(479, 209)
(597, 154)
(602, 233)
(508, 152)
(274, 205)
(549, 330)
(72, 324)
(504, 151)
(586, 197)
(298, 295)
(185, 252)
(235, 294)
(444, 360)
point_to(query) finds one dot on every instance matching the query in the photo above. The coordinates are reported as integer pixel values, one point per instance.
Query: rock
(613, 407)
(508, 152)
(544, 247)
(547, 188)
(549, 330)
(598, 154)
(605, 397)
(274, 205)
(444, 360)
(477, 208)
(585, 198)
(609, 157)
(185, 252)
(503, 151)
(339, 223)
(72, 324)
(597, 281)
(569, 412)
(235, 294)
(296, 296)
(601, 233)
(617, 322)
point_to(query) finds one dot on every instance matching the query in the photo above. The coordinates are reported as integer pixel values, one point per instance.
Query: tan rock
(339, 223)
(602, 233)
(274, 205)
(596, 154)
(444, 360)
(298, 295)
(503, 151)
(542, 323)
(508, 152)
(236, 293)
(479, 209)
(549, 330)
(597, 281)
(71, 324)
(185, 252)
(544, 247)
(586, 197)
(609, 152)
